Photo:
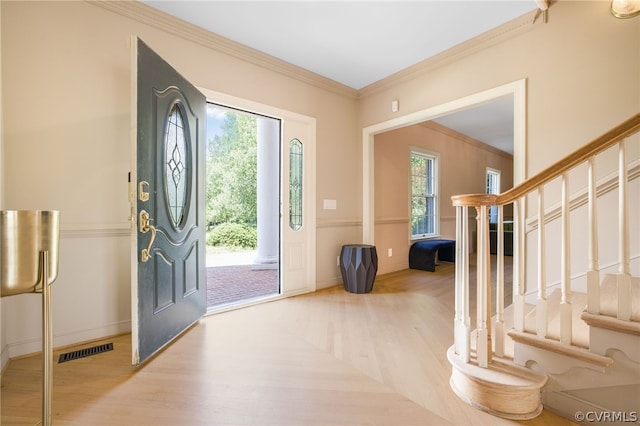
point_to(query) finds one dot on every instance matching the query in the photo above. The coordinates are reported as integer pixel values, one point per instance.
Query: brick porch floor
(227, 284)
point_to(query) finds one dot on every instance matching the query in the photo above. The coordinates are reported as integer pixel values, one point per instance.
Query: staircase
(568, 338)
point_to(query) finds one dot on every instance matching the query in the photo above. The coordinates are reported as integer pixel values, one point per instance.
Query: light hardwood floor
(328, 358)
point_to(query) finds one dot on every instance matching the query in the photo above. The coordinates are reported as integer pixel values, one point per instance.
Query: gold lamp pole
(47, 340)
(29, 241)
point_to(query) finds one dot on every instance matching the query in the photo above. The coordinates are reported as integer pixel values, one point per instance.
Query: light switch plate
(329, 204)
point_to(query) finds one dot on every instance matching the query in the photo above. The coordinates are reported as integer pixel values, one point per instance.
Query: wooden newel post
(483, 345)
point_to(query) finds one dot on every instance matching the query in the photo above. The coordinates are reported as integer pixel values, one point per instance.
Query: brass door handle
(145, 226)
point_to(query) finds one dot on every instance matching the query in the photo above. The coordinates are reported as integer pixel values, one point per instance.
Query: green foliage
(233, 235)
(232, 171)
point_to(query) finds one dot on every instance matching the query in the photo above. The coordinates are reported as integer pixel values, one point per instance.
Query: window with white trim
(493, 187)
(424, 194)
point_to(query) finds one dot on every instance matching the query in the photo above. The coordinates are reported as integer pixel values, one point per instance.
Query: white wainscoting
(91, 298)
(331, 235)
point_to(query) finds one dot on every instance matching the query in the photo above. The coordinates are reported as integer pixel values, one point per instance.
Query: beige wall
(583, 77)
(463, 163)
(66, 88)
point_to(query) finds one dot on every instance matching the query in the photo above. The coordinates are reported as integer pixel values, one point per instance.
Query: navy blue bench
(422, 255)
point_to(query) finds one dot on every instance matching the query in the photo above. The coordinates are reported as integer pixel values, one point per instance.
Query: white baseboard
(32, 346)
(4, 357)
(331, 282)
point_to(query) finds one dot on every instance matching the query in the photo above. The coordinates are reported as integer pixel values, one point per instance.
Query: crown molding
(143, 13)
(487, 39)
(148, 15)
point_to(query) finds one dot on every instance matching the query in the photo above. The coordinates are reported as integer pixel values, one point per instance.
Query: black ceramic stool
(358, 265)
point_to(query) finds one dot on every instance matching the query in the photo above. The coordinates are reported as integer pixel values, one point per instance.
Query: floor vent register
(81, 353)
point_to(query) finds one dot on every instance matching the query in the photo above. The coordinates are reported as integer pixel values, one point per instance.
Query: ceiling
(491, 123)
(357, 43)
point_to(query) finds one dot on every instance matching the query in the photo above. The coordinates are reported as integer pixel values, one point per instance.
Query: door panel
(168, 249)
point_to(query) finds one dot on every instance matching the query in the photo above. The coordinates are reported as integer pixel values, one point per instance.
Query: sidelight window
(295, 184)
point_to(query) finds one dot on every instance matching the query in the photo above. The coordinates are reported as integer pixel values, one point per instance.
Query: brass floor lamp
(29, 241)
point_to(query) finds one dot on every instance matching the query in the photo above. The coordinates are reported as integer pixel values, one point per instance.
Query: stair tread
(502, 373)
(557, 347)
(611, 323)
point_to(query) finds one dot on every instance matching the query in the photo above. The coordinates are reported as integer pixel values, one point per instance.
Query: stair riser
(594, 386)
(549, 362)
(603, 340)
(622, 372)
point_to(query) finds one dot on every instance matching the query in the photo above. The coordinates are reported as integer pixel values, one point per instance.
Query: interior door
(168, 288)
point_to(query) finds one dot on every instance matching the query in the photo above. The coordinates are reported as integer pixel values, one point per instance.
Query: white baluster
(565, 266)
(518, 265)
(624, 270)
(462, 320)
(499, 330)
(541, 304)
(593, 273)
(465, 282)
(483, 344)
(457, 318)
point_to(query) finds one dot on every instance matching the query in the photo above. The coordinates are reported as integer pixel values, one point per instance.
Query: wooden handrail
(601, 143)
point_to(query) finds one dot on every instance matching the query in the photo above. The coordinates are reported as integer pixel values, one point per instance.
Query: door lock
(142, 194)
(144, 225)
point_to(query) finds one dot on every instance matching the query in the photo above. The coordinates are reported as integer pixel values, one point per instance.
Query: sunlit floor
(326, 358)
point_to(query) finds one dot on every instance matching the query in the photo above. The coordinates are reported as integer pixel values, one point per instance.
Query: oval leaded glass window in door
(176, 165)
(295, 184)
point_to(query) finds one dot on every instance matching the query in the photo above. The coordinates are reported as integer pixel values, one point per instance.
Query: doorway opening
(242, 207)
(516, 91)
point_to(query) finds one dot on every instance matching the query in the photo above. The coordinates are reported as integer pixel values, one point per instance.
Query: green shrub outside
(233, 235)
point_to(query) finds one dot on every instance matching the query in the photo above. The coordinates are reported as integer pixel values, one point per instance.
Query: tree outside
(231, 178)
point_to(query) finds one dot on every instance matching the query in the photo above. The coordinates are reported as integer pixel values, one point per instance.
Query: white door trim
(517, 89)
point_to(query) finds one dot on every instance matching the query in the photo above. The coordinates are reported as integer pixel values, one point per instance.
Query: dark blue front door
(168, 268)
